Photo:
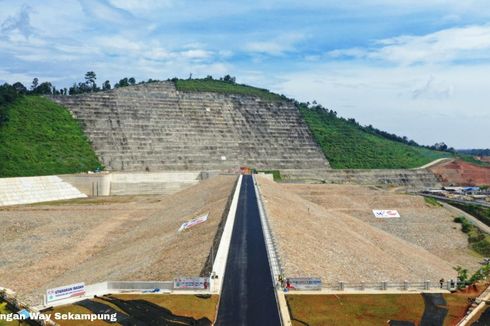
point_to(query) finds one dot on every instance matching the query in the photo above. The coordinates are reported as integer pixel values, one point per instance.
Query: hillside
(348, 146)
(39, 137)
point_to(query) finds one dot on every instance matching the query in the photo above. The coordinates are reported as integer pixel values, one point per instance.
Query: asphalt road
(247, 296)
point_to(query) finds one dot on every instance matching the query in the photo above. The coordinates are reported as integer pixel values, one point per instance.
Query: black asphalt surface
(435, 311)
(247, 296)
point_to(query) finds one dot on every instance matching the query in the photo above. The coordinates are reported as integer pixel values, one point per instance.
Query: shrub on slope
(40, 137)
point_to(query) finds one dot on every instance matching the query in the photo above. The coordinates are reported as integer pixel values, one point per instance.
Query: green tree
(132, 81)
(90, 78)
(35, 83)
(106, 86)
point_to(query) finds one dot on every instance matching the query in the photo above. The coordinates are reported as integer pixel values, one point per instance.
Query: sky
(417, 68)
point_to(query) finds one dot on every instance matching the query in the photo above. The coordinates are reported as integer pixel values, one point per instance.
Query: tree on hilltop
(90, 78)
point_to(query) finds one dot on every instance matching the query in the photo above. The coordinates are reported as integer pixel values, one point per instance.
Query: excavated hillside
(320, 234)
(153, 127)
(458, 172)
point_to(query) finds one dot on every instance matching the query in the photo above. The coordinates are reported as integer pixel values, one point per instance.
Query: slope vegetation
(39, 137)
(348, 146)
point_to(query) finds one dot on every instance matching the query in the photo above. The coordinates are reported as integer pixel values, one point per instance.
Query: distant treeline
(475, 152)
(441, 146)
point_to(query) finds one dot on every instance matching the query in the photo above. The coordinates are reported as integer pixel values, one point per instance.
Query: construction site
(190, 224)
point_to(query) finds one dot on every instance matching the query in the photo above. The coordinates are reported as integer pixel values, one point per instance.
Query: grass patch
(224, 87)
(4, 309)
(478, 240)
(276, 174)
(348, 146)
(354, 309)
(432, 202)
(40, 137)
(181, 305)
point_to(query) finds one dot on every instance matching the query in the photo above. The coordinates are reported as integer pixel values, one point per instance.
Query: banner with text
(193, 222)
(304, 283)
(383, 213)
(64, 292)
(191, 283)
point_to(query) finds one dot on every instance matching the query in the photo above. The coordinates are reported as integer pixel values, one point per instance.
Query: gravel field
(330, 231)
(108, 238)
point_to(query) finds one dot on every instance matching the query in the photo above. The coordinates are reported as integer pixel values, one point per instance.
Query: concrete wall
(152, 182)
(27, 190)
(144, 183)
(154, 127)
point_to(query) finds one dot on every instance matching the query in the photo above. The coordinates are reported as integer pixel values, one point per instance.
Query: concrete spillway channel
(248, 294)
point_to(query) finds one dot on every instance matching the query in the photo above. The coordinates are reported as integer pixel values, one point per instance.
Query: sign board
(68, 291)
(191, 283)
(193, 222)
(383, 213)
(304, 283)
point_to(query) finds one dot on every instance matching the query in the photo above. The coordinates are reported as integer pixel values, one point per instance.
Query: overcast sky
(418, 68)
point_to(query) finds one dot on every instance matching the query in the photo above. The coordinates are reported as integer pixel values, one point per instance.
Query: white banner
(193, 222)
(383, 213)
(63, 292)
(304, 283)
(195, 283)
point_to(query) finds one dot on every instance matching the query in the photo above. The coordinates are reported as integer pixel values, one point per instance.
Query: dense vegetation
(479, 241)
(346, 144)
(226, 85)
(480, 212)
(475, 152)
(40, 137)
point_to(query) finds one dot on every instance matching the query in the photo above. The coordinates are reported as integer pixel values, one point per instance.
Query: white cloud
(384, 97)
(448, 45)
(277, 45)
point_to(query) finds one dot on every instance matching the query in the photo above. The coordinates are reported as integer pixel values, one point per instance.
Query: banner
(194, 283)
(385, 213)
(68, 291)
(304, 283)
(193, 222)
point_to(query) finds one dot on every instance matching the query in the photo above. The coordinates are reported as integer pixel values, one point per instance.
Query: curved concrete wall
(27, 190)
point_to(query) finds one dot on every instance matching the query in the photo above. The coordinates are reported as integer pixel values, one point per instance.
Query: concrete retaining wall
(416, 179)
(27, 190)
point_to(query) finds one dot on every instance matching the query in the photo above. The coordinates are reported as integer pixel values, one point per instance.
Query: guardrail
(387, 286)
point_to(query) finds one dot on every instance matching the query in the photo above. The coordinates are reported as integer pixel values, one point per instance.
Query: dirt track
(329, 231)
(118, 238)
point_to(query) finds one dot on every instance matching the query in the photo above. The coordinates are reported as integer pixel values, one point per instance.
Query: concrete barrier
(219, 265)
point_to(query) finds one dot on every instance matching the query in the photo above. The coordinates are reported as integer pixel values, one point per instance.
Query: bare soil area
(118, 238)
(458, 172)
(330, 231)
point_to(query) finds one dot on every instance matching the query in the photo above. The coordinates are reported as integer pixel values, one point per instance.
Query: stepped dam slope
(154, 127)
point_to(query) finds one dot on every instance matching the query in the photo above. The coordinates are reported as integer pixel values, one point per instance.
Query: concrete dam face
(154, 127)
